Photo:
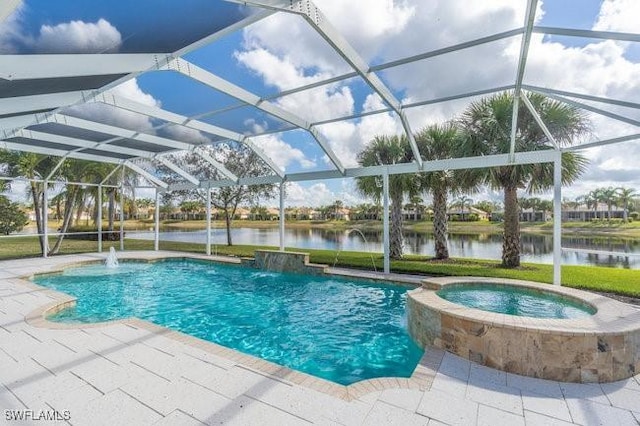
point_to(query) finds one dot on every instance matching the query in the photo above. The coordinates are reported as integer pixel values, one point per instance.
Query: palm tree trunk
(395, 243)
(112, 210)
(37, 207)
(511, 237)
(227, 219)
(66, 221)
(440, 223)
(625, 213)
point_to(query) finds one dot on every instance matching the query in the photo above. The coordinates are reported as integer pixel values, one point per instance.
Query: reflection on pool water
(514, 300)
(338, 329)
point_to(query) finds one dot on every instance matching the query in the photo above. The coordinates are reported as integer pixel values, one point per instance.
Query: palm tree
(488, 126)
(626, 197)
(31, 166)
(464, 201)
(609, 196)
(438, 142)
(388, 150)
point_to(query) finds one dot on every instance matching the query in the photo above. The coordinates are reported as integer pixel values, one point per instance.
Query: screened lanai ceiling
(303, 84)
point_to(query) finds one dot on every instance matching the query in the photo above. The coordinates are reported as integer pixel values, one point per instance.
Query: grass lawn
(614, 280)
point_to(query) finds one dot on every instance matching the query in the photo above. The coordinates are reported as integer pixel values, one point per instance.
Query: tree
(239, 160)
(190, 208)
(12, 218)
(337, 208)
(438, 142)
(464, 202)
(626, 197)
(487, 123)
(608, 196)
(416, 204)
(388, 150)
(31, 166)
(487, 206)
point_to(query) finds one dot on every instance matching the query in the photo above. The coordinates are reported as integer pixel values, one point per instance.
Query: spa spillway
(527, 328)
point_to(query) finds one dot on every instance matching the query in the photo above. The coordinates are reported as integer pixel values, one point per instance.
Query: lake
(535, 248)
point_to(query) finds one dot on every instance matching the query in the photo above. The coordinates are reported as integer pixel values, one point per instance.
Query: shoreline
(623, 231)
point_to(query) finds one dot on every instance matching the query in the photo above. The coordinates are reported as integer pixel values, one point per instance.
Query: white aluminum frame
(21, 112)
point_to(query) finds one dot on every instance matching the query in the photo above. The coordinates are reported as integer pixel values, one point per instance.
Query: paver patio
(122, 373)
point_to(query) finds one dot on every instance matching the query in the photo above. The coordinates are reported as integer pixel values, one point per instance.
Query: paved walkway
(123, 374)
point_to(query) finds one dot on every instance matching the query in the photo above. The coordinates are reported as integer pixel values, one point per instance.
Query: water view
(535, 248)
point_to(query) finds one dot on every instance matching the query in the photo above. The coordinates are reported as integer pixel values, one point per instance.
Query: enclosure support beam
(529, 20)
(385, 221)
(45, 219)
(208, 221)
(99, 217)
(557, 220)
(156, 228)
(281, 216)
(122, 209)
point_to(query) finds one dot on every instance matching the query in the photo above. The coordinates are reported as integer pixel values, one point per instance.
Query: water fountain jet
(366, 243)
(112, 259)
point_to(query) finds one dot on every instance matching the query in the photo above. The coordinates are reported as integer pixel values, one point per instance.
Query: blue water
(338, 329)
(514, 300)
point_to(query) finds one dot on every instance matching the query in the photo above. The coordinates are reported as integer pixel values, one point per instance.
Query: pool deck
(131, 372)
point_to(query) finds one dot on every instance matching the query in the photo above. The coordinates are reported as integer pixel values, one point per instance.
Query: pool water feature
(511, 300)
(339, 329)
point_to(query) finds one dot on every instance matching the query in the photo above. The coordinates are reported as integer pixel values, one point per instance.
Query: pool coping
(421, 378)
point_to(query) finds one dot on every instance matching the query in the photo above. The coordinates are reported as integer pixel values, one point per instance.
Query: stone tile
(540, 386)
(622, 397)
(371, 397)
(450, 385)
(497, 396)
(455, 366)
(115, 408)
(344, 412)
(433, 422)
(9, 401)
(592, 413)
(489, 416)
(385, 414)
(231, 383)
(480, 375)
(445, 408)
(244, 411)
(409, 399)
(547, 405)
(629, 384)
(104, 375)
(536, 419)
(73, 400)
(177, 417)
(636, 415)
(301, 402)
(579, 391)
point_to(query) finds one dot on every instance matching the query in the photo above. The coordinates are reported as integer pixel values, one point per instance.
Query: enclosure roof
(196, 60)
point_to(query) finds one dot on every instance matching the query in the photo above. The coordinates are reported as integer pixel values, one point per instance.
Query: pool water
(513, 300)
(338, 329)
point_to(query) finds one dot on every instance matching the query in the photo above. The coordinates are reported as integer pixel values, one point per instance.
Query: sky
(283, 52)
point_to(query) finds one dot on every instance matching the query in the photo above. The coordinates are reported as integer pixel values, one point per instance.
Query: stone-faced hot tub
(599, 342)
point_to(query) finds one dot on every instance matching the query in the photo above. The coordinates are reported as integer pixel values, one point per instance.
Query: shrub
(634, 215)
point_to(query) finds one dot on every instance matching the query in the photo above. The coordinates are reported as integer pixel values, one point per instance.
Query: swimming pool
(339, 329)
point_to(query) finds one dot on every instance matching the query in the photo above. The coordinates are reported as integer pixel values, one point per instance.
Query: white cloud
(618, 15)
(282, 153)
(601, 68)
(77, 37)
(10, 30)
